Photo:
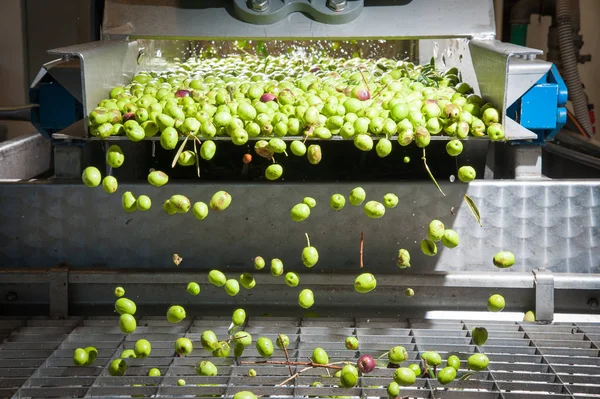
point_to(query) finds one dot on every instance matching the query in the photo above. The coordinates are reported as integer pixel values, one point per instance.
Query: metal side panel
(527, 360)
(214, 20)
(502, 78)
(25, 157)
(450, 53)
(104, 65)
(550, 224)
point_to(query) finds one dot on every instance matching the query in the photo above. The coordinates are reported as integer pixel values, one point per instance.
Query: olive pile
(271, 98)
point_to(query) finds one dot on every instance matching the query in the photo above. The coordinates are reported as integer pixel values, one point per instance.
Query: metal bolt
(593, 303)
(336, 5)
(259, 5)
(11, 296)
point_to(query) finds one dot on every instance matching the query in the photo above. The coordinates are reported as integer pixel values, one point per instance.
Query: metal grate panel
(526, 360)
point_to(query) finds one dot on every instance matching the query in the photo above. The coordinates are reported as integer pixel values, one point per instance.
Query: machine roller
(66, 247)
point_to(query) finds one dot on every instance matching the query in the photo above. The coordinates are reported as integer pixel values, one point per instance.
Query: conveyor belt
(526, 360)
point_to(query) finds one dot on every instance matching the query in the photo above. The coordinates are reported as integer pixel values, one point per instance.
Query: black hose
(17, 113)
(570, 65)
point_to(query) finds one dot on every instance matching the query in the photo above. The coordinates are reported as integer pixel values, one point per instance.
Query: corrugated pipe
(570, 64)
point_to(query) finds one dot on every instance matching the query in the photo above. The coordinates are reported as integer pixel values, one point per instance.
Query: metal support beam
(527, 162)
(544, 295)
(68, 161)
(58, 291)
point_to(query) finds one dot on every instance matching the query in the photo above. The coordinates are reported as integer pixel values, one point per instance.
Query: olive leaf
(197, 156)
(179, 152)
(424, 158)
(474, 209)
(431, 374)
(465, 376)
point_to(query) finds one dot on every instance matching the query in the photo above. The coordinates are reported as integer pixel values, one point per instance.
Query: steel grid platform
(527, 360)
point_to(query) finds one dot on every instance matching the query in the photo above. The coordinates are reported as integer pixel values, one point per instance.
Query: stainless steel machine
(64, 247)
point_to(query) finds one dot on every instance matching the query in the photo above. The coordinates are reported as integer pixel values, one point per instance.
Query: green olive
(446, 375)
(209, 340)
(125, 306)
(217, 278)
(220, 201)
(480, 335)
(478, 362)
(364, 283)
(404, 376)
(504, 259)
(433, 358)
(243, 338)
(496, 303)
(415, 368)
(110, 184)
(244, 395)
(349, 376)
(91, 176)
(319, 356)
(283, 341)
(247, 281)
(127, 323)
(117, 367)
(397, 355)
(222, 350)
(306, 298)
(175, 314)
(264, 346)
(351, 343)
(206, 369)
(393, 389)
(80, 357)
(454, 362)
(239, 317)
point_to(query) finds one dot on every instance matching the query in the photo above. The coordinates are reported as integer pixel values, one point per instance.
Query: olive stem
(362, 244)
(311, 364)
(385, 354)
(364, 79)
(379, 91)
(308, 133)
(307, 240)
(287, 356)
(425, 369)
(292, 377)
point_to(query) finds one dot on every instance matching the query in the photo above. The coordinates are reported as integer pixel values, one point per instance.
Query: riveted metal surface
(527, 360)
(549, 224)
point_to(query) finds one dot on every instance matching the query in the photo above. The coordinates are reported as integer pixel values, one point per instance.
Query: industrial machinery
(65, 247)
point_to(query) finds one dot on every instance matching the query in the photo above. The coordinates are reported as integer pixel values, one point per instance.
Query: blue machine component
(58, 108)
(542, 108)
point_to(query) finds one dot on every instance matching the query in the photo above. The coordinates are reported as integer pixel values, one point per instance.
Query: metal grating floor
(526, 360)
